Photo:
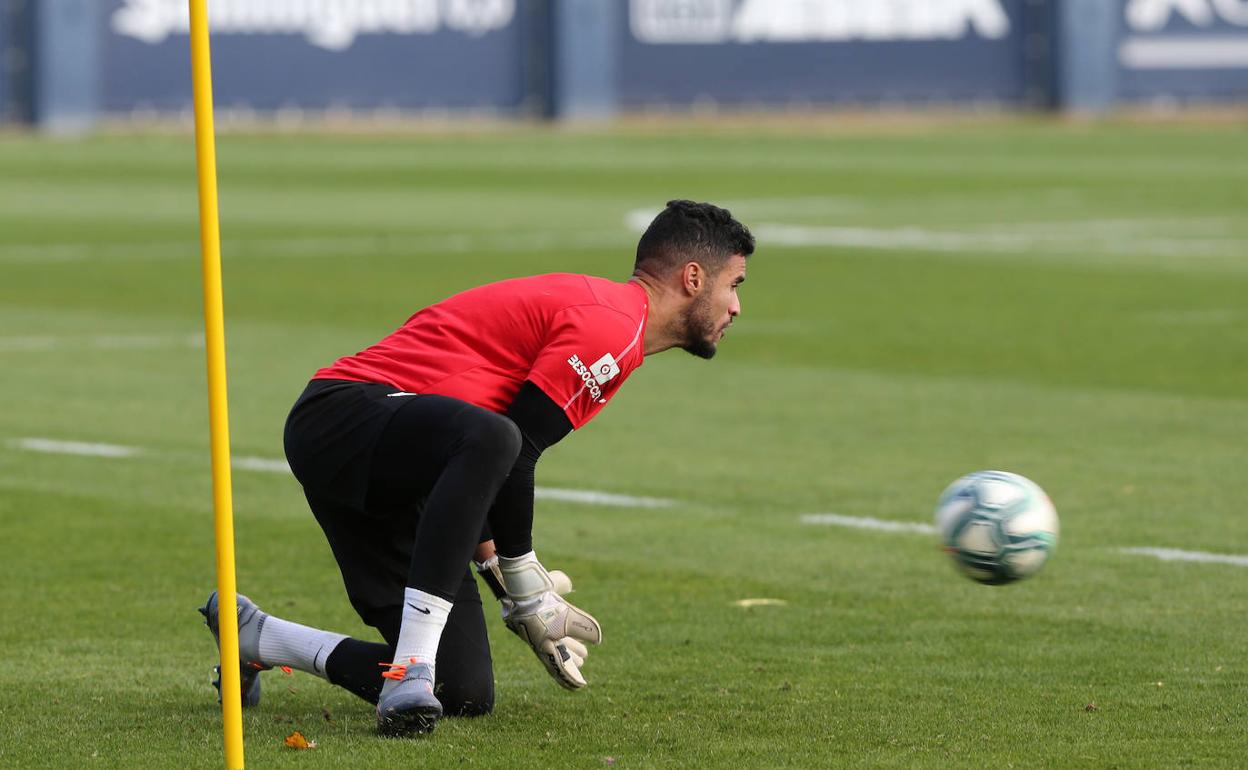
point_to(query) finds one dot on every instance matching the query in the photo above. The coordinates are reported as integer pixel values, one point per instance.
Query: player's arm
(542, 424)
(533, 607)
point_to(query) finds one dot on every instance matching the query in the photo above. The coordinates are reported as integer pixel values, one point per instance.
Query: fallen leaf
(1091, 707)
(297, 740)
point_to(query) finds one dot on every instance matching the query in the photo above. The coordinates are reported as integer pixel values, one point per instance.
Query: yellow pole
(218, 412)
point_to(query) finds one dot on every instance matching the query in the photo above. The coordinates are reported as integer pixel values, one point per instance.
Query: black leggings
(401, 485)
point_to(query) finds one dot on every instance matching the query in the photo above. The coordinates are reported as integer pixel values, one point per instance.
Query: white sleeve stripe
(632, 344)
(575, 395)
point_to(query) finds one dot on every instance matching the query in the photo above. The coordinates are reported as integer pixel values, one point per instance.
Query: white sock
(424, 617)
(283, 643)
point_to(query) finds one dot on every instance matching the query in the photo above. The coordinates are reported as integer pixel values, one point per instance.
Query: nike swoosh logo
(418, 609)
(401, 393)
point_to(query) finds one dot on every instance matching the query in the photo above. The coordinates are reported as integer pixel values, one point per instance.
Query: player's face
(713, 309)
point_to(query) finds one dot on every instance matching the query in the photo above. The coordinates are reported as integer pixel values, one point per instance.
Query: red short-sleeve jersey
(574, 336)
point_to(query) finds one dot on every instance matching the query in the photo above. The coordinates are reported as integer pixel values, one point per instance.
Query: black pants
(401, 485)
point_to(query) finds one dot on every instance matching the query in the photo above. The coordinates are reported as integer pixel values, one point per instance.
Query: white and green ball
(998, 527)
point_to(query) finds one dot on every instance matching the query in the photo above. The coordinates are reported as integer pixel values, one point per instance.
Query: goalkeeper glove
(534, 610)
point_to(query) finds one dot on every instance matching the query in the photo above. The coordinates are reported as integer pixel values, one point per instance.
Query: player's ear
(693, 276)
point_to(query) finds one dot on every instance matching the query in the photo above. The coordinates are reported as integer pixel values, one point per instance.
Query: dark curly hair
(685, 231)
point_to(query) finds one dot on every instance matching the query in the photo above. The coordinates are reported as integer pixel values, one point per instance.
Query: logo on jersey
(595, 375)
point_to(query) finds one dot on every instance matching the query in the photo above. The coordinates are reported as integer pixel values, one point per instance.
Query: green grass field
(1069, 302)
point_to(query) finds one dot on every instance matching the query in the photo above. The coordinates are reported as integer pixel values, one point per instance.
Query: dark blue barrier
(1193, 50)
(15, 63)
(590, 58)
(5, 108)
(584, 58)
(1085, 37)
(66, 51)
(785, 52)
(318, 54)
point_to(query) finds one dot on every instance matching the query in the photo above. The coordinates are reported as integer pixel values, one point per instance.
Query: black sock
(355, 666)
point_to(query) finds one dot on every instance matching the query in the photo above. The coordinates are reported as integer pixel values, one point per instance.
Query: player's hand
(493, 577)
(556, 631)
(535, 610)
(563, 587)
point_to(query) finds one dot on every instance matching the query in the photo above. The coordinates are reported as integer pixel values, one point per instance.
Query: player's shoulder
(571, 285)
(613, 294)
(587, 292)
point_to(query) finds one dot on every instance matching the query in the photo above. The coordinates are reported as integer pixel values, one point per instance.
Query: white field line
(79, 448)
(585, 496)
(267, 248)
(261, 464)
(39, 343)
(1174, 554)
(591, 497)
(883, 525)
(273, 465)
(1001, 242)
(1202, 226)
(1117, 236)
(866, 522)
(1208, 237)
(594, 497)
(916, 238)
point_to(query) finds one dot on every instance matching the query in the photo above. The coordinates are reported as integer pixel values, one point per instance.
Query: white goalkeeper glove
(535, 611)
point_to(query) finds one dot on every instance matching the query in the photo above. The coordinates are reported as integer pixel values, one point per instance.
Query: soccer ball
(998, 527)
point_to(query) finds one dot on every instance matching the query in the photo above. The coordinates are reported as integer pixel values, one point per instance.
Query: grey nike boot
(410, 708)
(250, 621)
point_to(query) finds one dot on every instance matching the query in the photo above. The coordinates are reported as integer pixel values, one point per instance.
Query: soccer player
(417, 455)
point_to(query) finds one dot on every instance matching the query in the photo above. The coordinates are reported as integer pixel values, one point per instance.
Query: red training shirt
(576, 337)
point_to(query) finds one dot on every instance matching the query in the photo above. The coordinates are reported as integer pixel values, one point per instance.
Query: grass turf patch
(1065, 304)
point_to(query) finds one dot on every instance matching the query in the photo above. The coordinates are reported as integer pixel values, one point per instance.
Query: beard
(700, 329)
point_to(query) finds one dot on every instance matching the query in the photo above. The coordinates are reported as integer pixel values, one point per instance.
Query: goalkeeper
(417, 455)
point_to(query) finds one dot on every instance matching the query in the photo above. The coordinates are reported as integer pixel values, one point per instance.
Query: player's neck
(664, 321)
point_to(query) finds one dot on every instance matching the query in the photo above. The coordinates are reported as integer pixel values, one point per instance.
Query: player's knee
(495, 438)
(387, 620)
